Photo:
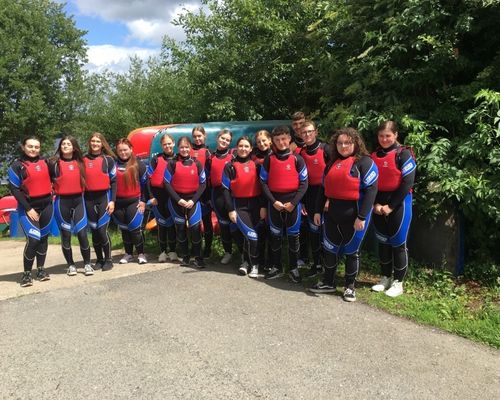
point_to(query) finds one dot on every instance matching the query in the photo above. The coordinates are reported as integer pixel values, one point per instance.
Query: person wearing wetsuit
(262, 150)
(284, 183)
(100, 196)
(159, 200)
(200, 152)
(215, 167)
(242, 194)
(68, 175)
(392, 211)
(29, 183)
(315, 154)
(350, 185)
(185, 182)
(131, 196)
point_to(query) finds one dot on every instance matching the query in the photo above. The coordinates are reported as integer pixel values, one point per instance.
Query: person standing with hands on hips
(350, 186)
(392, 211)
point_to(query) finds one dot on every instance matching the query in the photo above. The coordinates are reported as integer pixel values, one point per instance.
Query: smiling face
(282, 142)
(263, 143)
(184, 149)
(223, 141)
(309, 134)
(297, 125)
(345, 146)
(31, 148)
(198, 138)
(124, 151)
(66, 148)
(95, 145)
(244, 148)
(167, 145)
(386, 138)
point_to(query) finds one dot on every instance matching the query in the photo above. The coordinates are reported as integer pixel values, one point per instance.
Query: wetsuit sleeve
(408, 167)
(369, 180)
(152, 165)
(202, 181)
(264, 178)
(143, 180)
(326, 153)
(167, 179)
(111, 171)
(16, 176)
(228, 175)
(321, 198)
(300, 164)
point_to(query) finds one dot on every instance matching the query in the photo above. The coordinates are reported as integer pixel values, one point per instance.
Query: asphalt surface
(170, 332)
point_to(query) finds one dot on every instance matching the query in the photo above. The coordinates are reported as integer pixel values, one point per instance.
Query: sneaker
(315, 270)
(185, 261)
(126, 259)
(71, 270)
(294, 275)
(163, 257)
(321, 287)
(108, 265)
(395, 290)
(172, 256)
(199, 263)
(26, 279)
(226, 258)
(274, 273)
(244, 264)
(384, 284)
(254, 272)
(141, 259)
(243, 270)
(301, 263)
(98, 264)
(88, 270)
(42, 275)
(349, 294)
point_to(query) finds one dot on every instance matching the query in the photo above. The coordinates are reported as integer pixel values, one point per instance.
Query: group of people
(320, 196)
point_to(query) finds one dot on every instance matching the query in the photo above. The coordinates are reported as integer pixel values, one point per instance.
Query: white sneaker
(384, 284)
(172, 256)
(71, 270)
(126, 259)
(141, 259)
(88, 270)
(254, 272)
(162, 257)
(395, 290)
(226, 258)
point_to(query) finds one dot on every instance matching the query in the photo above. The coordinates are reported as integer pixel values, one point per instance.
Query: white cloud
(115, 58)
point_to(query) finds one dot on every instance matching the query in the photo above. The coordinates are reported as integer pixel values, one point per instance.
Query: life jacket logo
(246, 169)
(385, 164)
(38, 168)
(339, 165)
(90, 164)
(288, 168)
(71, 167)
(192, 172)
(315, 161)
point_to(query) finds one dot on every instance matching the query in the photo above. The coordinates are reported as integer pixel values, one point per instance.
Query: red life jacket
(200, 155)
(246, 182)
(95, 178)
(389, 175)
(315, 164)
(339, 184)
(283, 175)
(68, 182)
(258, 160)
(156, 179)
(37, 182)
(124, 192)
(185, 178)
(217, 168)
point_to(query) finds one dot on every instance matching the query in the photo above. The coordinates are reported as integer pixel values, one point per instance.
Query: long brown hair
(106, 148)
(77, 155)
(132, 168)
(357, 139)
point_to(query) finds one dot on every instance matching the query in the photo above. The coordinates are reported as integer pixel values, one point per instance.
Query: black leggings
(248, 218)
(222, 213)
(95, 204)
(166, 227)
(129, 220)
(71, 217)
(313, 232)
(192, 217)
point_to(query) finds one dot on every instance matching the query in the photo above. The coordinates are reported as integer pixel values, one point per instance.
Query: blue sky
(119, 29)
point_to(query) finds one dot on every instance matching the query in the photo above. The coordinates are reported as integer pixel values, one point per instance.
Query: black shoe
(294, 275)
(42, 275)
(274, 273)
(321, 287)
(108, 266)
(199, 263)
(98, 264)
(185, 261)
(26, 279)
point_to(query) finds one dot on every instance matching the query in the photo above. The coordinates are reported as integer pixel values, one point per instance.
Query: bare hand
(303, 211)
(327, 205)
(153, 201)
(182, 202)
(317, 219)
(359, 225)
(110, 207)
(386, 210)
(263, 213)
(189, 204)
(141, 207)
(33, 215)
(288, 207)
(377, 209)
(232, 216)
(278, 205)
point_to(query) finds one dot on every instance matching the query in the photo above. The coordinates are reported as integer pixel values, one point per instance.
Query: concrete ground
(162, 331)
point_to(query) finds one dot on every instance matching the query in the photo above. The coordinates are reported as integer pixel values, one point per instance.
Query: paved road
(178, 333)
